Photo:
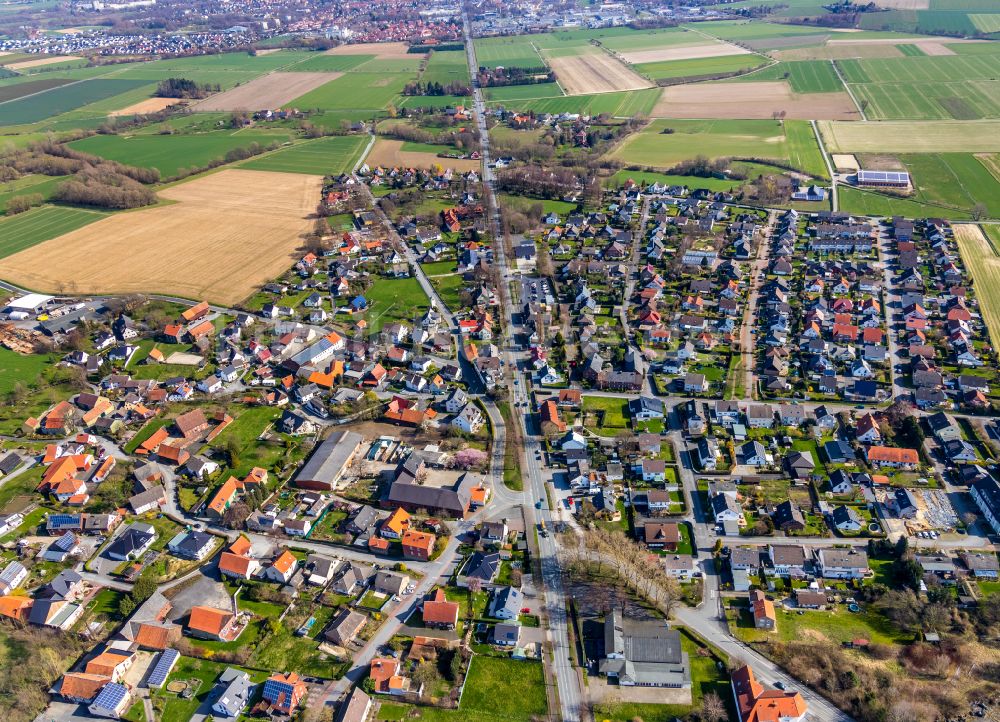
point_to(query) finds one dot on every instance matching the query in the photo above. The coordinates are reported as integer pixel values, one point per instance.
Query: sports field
(323, 156)
(791, 142)
(911, 136)
(170, 153)
(225, 235)
(40, 224)
(979, 252)
(959, 87)
(62, 99)
(511, 52)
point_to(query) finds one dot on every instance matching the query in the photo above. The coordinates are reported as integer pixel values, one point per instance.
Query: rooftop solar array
(111, 696)
(883, 176)
(273, 689)
(162, 668)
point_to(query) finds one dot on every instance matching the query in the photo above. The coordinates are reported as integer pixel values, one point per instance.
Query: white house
(469, 419)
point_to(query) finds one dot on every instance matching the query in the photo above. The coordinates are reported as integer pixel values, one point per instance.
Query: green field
(963, 87)
(511, 52)
(699, 67)
(614, 411)
(324, 156)
(870, 203)
(522, 92)
(394, 299)
(791, 142)
(330, 63)
(983, 263)
(29, 87)
(629, 103)
(651, 39)
(355, 90)
(29, 184)
(758, 34)
(15, 369)
(804, 76)
(170, 153)
(40, 224)
(953, 180)
(62, 99)
(446, 66)
(986, 22)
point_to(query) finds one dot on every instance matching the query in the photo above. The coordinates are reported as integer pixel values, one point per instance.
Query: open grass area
(511, 52)
(28, 184)
(355, 90)
(62, 99)
(324, 156)
(203, 674)
(836, 626)
(609, 412)
(17, 369)
(394, 299)
(170, 153)
(664, 143)
(446, 66)
(871, 203)
(41, 224)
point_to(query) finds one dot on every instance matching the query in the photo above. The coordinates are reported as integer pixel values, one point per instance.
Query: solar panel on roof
(274, 689)
(111, 696)
(162, 667)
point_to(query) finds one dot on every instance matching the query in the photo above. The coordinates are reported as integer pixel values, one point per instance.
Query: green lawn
(203, 673)
(41, 224)
(836, 626)
(145, 432)
(614, 411)
(503, 689)
(15, 368)
(324, 156)
(394, 299)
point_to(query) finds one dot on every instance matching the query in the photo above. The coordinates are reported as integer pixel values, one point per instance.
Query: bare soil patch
(267, 92)
(150, 105)
(268, 51)
(936, 48)
(379, 50)
(41, 61)
(751, 100)
(390, 153)
(226, 234)
(595, 72)
(683, 52)
(845, 161)
(880, 161)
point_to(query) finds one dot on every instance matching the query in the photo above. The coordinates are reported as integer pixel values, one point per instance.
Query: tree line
(434, 88)
(184, 88)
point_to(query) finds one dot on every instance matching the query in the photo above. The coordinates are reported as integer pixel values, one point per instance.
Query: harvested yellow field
(379, 50)
(390, 154)
(268, 92)
(225, 235)
(683, 52)
(596, 72)
(750, 101)
(40, 62)
(984, 265)
(911, 136)
(149, 105)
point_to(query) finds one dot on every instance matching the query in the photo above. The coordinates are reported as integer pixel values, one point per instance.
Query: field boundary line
(538, 52)
(728, 42)
(848, 89)
(829, 166)
(42, 92)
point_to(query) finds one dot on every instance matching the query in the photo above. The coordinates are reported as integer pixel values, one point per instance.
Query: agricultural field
(62, 99)
(523, 92)
(700, 67)
(911, 136)
(394, 153)
(762, 35)
(872, 203)
(269, 92)
(752, 100)
(979, 251)
(447, 66)
(146, 106)
(954, 181)
(626, 104)
(170, 153)
(959, 87)
(804, 76)
(355, 91)
(330, 63)
(324, 156)
(789, 142)
(512, 52)
(224, 235)
(28, 184)
(595, 72)
(30, 87)
(680, 51)
(25, 230)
